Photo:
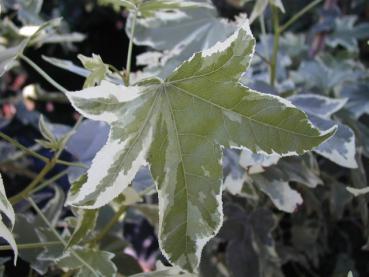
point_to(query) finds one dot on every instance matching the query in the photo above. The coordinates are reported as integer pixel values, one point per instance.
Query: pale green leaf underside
(178, 127)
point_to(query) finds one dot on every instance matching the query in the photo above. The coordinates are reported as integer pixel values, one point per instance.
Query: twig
(298, 15)
(108, 226)
(130, 49)
(24, 193)
(47, 168)
(43, 74)
(50, 181)
(30, 152)
(30, 245)
(273, 61)
(23, 148)
(262, 58)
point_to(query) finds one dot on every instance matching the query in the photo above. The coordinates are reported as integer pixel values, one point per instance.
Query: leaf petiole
(130, 48)
(43, 74)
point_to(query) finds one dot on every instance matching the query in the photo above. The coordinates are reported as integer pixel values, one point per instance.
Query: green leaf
(261, 5)
(250, 248)
(25, 232)
(7, 209)
(100, 261)
(85, 224)
(97, 67)
(179, 126)
(51, 252)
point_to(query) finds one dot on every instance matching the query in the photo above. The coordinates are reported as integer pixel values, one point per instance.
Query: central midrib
(231, 111)
(183, 169)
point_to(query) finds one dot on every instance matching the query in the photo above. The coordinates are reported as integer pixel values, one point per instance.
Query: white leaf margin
(7, 209)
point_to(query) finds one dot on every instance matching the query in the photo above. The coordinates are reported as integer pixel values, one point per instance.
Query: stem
(273, 61)
(82, 165)
(110, 225)
(298, 15)
(262, 24)
(60, 238)
(130, 49)
(116, 70)
(50, 181)
(23, 148)
(43, 74)
(47, 168)
(37, 155)
(30, 245)
(262, 58)
(24, 193)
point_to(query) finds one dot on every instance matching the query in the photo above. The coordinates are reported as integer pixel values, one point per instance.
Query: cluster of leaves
(220, 134)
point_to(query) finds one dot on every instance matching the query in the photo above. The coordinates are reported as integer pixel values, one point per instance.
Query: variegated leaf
(282, 195)
(180, 34)
(358, 98)
(341, 147)
(318, 105)
(179, 126)
(345, 34)
(7, 209)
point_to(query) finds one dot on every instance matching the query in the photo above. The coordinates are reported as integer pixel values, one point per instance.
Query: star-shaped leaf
(179, 126)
